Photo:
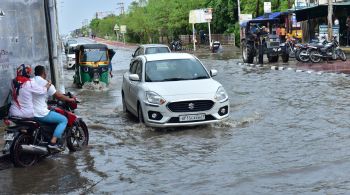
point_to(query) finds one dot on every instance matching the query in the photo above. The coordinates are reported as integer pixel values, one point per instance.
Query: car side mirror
(213, 72)
(133, 55)
(134, 77)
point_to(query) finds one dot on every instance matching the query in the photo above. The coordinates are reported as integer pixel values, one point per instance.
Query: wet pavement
(288, 133)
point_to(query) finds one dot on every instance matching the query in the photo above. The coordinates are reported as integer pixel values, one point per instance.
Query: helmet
(24, 70)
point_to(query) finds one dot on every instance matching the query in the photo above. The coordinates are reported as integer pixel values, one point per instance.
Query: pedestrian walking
(347, 30)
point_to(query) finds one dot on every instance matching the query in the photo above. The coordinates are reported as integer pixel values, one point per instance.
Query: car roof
(153, 45)
(167, 56)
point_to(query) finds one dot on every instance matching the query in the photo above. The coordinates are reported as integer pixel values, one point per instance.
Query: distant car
(173, 89)
(68, 43)
(71, 56)
(151, 49)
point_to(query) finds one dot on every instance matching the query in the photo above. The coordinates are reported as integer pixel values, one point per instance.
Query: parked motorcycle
(26, 140)
(303, 50)
(329, 50)
(176, 45)
(291, 47)
(216, 46)
(301, 53)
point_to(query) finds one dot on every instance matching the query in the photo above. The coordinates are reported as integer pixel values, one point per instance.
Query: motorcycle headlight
(221, 95)
(154, 98)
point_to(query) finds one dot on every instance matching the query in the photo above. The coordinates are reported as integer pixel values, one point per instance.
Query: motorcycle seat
(30, 122)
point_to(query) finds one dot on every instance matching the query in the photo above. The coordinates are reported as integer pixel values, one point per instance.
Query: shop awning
(317, 11)
(267, 17)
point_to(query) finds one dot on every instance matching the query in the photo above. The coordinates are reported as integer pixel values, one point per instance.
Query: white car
(71, 56)
(173, 89)
(150, 49)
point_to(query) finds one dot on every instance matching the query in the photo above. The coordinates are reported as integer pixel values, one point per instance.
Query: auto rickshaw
(93, 63)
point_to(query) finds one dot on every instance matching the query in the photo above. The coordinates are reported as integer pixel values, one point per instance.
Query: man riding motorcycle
(41, 111)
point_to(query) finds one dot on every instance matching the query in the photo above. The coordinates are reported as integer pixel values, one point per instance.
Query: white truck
(28, 35)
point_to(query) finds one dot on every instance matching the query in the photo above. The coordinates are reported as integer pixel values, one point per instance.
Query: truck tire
(261, 54)
(285, 57)
(247, 52)
(272, 58)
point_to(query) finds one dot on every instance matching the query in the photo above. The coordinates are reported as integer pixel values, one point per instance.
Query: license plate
(9, 137)
(192, 117)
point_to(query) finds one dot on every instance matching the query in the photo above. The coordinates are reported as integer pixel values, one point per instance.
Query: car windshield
(153, 50)
(71, 50)
(94, 55)
(71, 42)
(174, 70)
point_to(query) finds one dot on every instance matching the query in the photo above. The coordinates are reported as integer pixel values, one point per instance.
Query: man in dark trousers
(347, 30)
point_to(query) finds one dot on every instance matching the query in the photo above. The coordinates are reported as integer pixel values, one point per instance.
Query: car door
(135, 85)
(127, 82)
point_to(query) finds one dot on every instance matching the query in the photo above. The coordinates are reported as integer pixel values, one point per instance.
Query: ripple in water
(101, 86)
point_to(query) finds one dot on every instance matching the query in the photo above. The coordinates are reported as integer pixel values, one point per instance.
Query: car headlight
(154, 98)
(221, 95)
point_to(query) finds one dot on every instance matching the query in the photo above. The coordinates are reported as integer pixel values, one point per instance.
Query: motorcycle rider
(23, 89)
(41, 111)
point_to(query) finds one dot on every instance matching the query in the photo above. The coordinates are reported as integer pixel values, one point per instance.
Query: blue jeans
(55, 118)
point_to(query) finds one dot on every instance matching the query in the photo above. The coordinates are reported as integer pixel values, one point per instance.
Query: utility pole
(239, 9)
(121, 7)
(330, 21)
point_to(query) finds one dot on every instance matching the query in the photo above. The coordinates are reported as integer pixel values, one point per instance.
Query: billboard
(200, 16)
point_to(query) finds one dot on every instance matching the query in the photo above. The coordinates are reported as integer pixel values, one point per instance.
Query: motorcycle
(176, 45)
(291, 47)
(26, 140)
(301, 53)
(329, 50)
(216, 46)
(303, 50)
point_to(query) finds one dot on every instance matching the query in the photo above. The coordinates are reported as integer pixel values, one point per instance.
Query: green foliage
(147, 20)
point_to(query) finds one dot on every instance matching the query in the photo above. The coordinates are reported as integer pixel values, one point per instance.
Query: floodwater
(288, 133)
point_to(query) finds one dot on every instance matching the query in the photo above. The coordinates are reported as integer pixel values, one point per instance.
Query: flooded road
(288, 133)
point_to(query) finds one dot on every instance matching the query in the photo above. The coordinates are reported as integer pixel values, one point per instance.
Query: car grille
(191, 106)
(177, 120)
(274, 44)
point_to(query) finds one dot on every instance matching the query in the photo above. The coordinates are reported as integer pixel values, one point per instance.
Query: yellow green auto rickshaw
(93, 63)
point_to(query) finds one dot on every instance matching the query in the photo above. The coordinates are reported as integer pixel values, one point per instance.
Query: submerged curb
(293, 69)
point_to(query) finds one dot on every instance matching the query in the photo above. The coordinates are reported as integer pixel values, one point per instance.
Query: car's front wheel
(139, 114)
(125, 109)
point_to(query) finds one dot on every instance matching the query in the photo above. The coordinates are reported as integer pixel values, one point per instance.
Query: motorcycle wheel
(18, 157)
(313, 56)
(296, 54)
(303, 55)
(78, 136)
(341, 54)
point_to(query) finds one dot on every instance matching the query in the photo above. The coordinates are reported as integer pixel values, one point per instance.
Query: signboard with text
(123, 28)
(267, 7)
(200, 16)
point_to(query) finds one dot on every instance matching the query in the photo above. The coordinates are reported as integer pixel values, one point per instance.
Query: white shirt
(25, 99)
(39, 100)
